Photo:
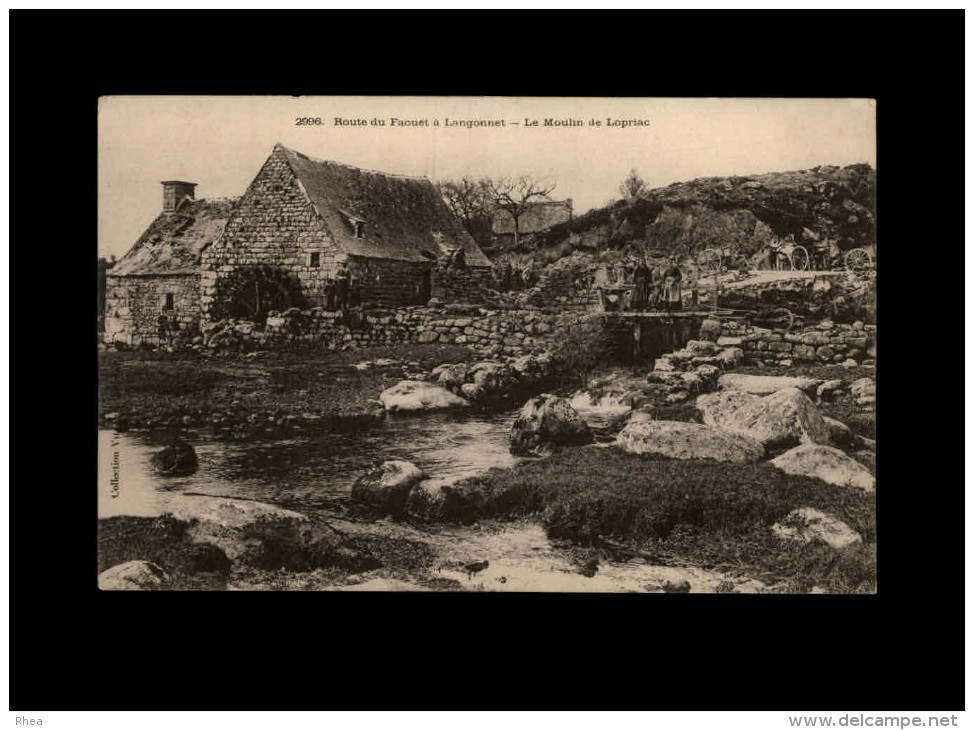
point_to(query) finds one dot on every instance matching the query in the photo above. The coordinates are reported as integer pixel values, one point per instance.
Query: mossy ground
(158, 388)
(161, 540)
(701, 512)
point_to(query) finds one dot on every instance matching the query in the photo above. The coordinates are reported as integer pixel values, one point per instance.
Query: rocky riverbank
(744, 476)
(649, 509)
(283, 394)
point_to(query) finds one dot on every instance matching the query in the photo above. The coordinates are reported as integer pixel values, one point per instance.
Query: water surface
(447, 446)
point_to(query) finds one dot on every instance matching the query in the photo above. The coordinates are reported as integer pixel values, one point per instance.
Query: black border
(73, 648)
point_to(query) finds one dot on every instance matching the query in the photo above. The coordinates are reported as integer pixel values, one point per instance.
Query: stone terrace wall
(824, 343)
(566, 288)
(492, 333)
(465, 284)
(849, 296)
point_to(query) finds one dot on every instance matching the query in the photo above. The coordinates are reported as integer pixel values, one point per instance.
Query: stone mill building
(281, 244)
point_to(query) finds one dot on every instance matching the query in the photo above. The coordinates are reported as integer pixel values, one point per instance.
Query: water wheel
(858, 259)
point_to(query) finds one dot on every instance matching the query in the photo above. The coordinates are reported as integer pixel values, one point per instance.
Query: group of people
(510, 277)
(657, 290)
(340, 290)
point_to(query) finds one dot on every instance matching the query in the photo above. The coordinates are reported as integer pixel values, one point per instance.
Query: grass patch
(148, 388)
(161, 540)
(709, 513)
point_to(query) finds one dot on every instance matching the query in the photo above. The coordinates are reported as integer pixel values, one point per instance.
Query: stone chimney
(174, 191)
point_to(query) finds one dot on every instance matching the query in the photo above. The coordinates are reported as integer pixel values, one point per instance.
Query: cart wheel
(799, 258)
(781, 318)
(710, 259)
(858, 259)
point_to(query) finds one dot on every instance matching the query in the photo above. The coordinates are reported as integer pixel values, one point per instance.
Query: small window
(170, 304)
(359, 229)
(315, 260)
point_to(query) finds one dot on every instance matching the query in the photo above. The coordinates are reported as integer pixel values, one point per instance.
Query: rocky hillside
(826, 202)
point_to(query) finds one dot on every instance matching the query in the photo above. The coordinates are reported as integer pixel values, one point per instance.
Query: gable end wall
(274, 224)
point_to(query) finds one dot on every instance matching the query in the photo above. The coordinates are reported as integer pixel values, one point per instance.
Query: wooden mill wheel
(858, 259)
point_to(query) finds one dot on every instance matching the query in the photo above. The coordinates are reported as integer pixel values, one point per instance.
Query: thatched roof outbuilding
(173, 242)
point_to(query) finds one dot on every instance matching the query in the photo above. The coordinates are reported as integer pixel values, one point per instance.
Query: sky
(221, 142)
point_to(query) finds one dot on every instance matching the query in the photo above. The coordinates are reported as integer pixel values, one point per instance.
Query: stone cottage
(154, 290)
(281, 244)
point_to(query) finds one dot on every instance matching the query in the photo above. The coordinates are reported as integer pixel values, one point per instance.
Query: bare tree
(515, 195)
(467, 198)
(633, 187)
(470, 202)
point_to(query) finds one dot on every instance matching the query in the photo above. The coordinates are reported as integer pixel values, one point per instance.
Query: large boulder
(828, 464)
(807, 524)
(531, 368)
(785, 418)
(135, 575)
(496, 380)
(426, 501)
(709, 374)
(701, 347)
(179, 459)
(730, 356)
(385, 487)
(547, 421)
(829, 390)
(450, 375)
(767, 384)
(840, 434)
(415, 395)
(247, 531)
(710, 329)
(466, 501)
(665, 365)
(679, 440)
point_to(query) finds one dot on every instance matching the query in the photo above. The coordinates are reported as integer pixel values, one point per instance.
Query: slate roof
(405, 218)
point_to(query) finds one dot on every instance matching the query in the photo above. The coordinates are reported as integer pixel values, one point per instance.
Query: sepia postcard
(527, 344)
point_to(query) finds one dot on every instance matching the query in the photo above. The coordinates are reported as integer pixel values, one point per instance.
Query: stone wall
(492, 333)
(461, 284)
(846, 296)
(566, 286)
(135, 310)
(387, 283)
(824, 343)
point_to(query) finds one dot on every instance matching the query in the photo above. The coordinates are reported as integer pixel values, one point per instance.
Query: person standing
(329, 290)
(642, 279)
(673, 287)
(342, 277)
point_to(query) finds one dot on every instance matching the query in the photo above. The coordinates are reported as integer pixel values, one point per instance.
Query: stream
(322, 467)
(447, 446)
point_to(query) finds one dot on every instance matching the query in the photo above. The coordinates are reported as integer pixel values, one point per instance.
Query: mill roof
(400, 217)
